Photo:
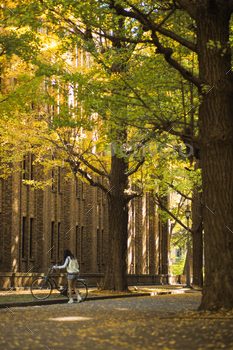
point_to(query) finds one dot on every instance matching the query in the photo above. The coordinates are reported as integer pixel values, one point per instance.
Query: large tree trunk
(197, 228)
(216, 130)
(116, 267)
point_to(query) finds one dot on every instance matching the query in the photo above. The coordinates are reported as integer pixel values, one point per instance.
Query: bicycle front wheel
(82, 289)
(41, 288)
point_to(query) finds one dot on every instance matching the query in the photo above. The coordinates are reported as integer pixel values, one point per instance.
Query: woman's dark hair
(67, 252)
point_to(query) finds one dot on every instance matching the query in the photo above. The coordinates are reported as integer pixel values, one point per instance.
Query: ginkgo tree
(115, 102)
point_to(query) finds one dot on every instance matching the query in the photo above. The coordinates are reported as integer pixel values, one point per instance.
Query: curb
(65, 300)
(101, 297)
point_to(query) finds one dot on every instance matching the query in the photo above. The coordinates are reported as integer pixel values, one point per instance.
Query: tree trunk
(197, 227)
(116, 267)
(190, 264)
(216, 130)
(164, 241)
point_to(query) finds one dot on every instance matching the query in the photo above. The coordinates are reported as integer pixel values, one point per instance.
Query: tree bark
(197, 228)
(116, 267)
(216, 130)
(164, 242)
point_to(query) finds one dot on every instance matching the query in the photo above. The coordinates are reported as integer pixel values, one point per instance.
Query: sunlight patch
(70, 318)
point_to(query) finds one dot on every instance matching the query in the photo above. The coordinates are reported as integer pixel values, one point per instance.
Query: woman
(72, 276)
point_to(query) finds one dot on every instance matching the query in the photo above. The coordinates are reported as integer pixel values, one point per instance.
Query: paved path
(159, 322)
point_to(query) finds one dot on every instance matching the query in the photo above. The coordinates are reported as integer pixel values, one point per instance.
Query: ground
(152, 322)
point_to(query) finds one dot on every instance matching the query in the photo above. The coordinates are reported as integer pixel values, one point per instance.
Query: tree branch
(165, 18)
(179, 39)
(137, 167)
(101, 162)
(188, 6)
(140, 99)
(172, 186)
(147, 22)
(162, 206)
(91, 181)
(133, 195)
(74, 158)
(142, 18)
(167, 52)
(180, 193)
(163, 31)
(113, 38)
(91, 167)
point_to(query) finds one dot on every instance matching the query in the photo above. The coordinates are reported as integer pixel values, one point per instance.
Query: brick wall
(37, 225)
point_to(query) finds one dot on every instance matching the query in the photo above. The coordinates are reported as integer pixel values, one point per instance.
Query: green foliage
(24, 45)
(178, 267)
(139, 98)
(179, 238)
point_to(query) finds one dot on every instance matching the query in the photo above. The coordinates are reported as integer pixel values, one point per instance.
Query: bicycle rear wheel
(82, 288)
(41, 288)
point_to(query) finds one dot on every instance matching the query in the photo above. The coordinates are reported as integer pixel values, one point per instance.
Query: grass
(25, 295)
(18, 296)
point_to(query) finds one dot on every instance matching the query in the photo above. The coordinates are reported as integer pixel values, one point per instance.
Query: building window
(24, 167)
(59, 179)
(76, 186)
(82, 189)
(24, 238)
(81, 244)
(102, 250)
(1, 192)
(53, 174)
(31, 239)
(52, 241)
(31, 167)
(102, 192)
(58, 240)
(76, 242)
(98, 214)
(53, 184)
(98, 246)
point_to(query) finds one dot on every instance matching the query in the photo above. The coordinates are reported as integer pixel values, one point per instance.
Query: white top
(66, 264)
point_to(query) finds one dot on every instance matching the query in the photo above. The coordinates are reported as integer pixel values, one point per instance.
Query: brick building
(37, 225)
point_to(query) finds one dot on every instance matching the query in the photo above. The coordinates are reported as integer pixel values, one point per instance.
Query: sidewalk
(94, 294)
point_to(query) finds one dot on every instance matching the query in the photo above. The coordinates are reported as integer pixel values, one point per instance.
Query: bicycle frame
(53, 282)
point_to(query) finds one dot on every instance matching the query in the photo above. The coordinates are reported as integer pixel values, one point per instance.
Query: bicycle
(42, 287)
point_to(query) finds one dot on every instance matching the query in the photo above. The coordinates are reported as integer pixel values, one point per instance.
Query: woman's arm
(64, 265)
